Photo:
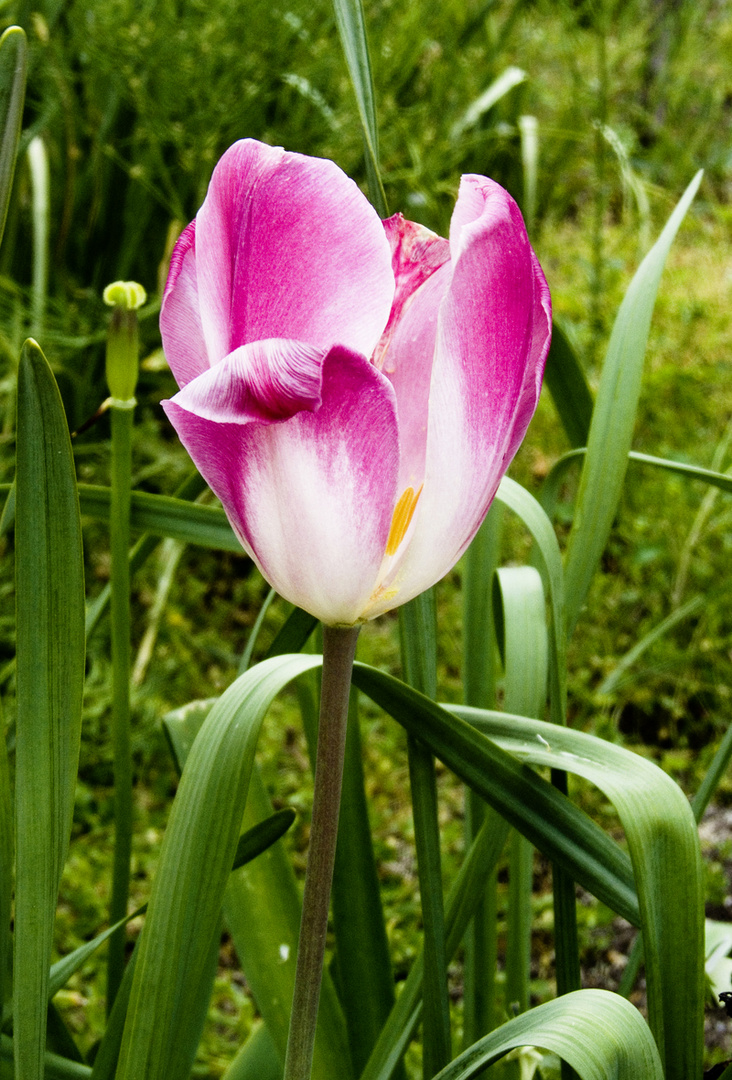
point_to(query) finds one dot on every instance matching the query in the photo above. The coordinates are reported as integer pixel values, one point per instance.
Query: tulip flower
(352, 390)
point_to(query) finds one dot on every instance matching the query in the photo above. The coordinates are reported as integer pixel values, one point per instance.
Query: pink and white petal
(408, 365)
(180, 316)
(311, 499)
(416, 253)
(493, 335)
(264, 381)
(287, 246)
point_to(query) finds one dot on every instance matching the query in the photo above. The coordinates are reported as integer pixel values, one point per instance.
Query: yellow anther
(402, 517)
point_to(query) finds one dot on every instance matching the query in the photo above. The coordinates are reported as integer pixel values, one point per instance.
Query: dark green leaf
(568, 386)
(13, 60)
(564, 833)
(50, 674)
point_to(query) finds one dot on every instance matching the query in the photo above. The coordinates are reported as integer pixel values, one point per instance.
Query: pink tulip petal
(492, 339)
(265, 381)
(408, 365)
(180, 317)
(287, 246)
(416, 253)
(310, 499)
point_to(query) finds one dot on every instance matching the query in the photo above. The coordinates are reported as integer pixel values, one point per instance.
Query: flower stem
(339, 649)
(121, 747)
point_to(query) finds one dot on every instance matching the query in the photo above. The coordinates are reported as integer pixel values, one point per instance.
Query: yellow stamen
(402, 516)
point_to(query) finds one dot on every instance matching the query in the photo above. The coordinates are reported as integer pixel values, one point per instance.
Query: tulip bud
(122, 342)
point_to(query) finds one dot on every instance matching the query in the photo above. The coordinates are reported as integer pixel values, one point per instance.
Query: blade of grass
(529, 132)
(246, 656)
(501, 86)
(568, 387)
(13, 64)
(56, 1067)
(50, 679)
(7, 851)
(559, 469)
(352, 31)
(613, 418)
(40, 184)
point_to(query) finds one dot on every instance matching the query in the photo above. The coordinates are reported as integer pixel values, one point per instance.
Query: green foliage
(134, 105)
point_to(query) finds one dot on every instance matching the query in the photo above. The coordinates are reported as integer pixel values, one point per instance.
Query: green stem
(418, 627)
(436, 1051)
(479, 689)
(339, 649)
(121, 745)
(518, 945)
(481, 943)
(566, 942)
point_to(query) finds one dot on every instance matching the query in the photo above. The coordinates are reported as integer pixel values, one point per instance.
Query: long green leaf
(13, 63)
(262, 913)
(293, 634)
(563, 832)
(262, 908)
(164, 515)
(352, 30)
(498, 89)
(50, 674)
(257, 1059)
(56, 1067)
(197, 852)
(613, 418)
(566, 382)
(600, 1034)
(662, 839)
(539, 525)
(559, 470)
(522, 633)
(7, 851)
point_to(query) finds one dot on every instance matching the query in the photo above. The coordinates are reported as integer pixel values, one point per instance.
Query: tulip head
(352, 390)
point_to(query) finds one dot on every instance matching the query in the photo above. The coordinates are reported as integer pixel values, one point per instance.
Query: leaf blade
(613, 417)
(50, 674)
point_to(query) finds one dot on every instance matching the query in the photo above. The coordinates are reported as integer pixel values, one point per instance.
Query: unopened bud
(122, 341)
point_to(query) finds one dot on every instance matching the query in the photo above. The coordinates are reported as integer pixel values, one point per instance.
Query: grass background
(135, 103)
